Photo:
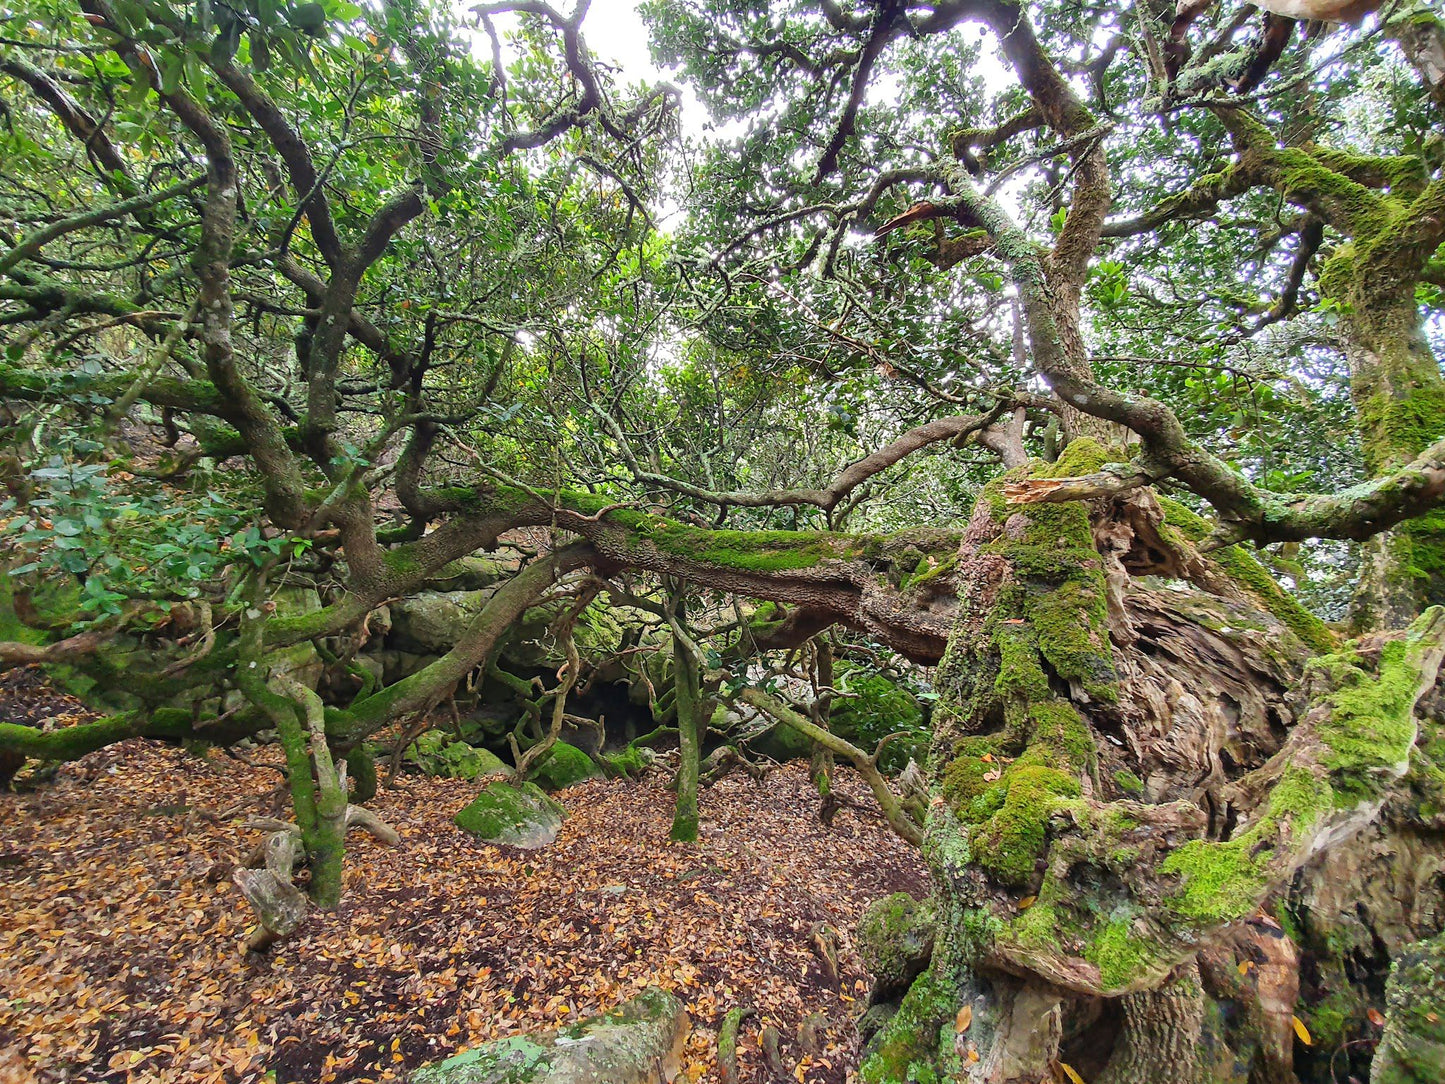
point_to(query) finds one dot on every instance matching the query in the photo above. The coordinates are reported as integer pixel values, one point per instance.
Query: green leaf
(309, 18)
(227, 41)
(139, 88)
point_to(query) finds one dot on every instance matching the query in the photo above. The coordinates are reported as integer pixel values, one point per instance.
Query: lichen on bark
(1124, 770)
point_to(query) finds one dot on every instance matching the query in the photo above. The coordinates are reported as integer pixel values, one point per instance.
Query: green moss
(566, 1053)
(361, 774)
(563, 766)
(1008, 842)
(1037, 928)
(909, 1044)
(1055, 610)
(437, 753)
(782, 743)
(1402, 173)
(934, 570)
(1119, 955)
(11, 627)
(1396, 427)
(402, 561)
(1222, 881)
(1128, 782)
(1304, 178)
(895, 938)
(1048, 625)
(963, 778)
(1333, 1020)
(513, 815)
(1241, 567)
(1410, 1050)
(1371, 727)
(631, 762)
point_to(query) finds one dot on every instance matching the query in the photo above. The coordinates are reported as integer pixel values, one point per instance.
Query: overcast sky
(615, 32)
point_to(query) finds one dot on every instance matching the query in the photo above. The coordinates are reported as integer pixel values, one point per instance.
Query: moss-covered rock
(437, 753)
(637, 1043)
(300, 662)
(515, 816)
(631, 762)
(895, 941)
(431, 622)
(563, 766)
(782, 743)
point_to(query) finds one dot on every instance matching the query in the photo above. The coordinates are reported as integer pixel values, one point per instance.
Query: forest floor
(121, 955)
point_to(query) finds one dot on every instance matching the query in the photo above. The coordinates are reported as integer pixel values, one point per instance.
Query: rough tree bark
(1135, 748)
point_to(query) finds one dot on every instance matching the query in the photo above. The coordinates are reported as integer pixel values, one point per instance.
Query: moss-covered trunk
(1132, 755)
(691, 726)
(1359, 908)
(1400, 401)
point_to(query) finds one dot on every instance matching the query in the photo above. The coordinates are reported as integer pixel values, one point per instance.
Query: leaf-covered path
(121, 931)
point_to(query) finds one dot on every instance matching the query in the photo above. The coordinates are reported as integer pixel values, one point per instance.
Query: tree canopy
(1086, 354)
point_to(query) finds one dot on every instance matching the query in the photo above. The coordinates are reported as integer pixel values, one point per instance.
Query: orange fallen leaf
(1376, 1017)
(963, 1020)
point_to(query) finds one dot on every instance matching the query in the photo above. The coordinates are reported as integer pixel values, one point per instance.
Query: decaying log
(769, 1040)
(363, 818)
(726, 759)
(267, 884)
(824, 940)
(279, 905)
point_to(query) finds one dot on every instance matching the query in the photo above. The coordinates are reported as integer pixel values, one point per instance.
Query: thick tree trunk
(1160, 1036)
(1123, 771)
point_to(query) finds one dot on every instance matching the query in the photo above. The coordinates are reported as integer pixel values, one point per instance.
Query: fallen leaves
(120, 958)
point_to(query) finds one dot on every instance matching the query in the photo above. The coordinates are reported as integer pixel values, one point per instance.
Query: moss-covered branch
(41, 386)
(867, 767)
(168, 724)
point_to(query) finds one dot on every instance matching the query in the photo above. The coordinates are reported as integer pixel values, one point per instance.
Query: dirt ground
(121, 932)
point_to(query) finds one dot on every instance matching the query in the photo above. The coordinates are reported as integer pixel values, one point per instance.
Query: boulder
(300, 662)
(473, 573)
(515, 816)
(637, 1043)
(782, 743)
(431, 622)
(563, 766)
(895, 941)
(435, 752)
